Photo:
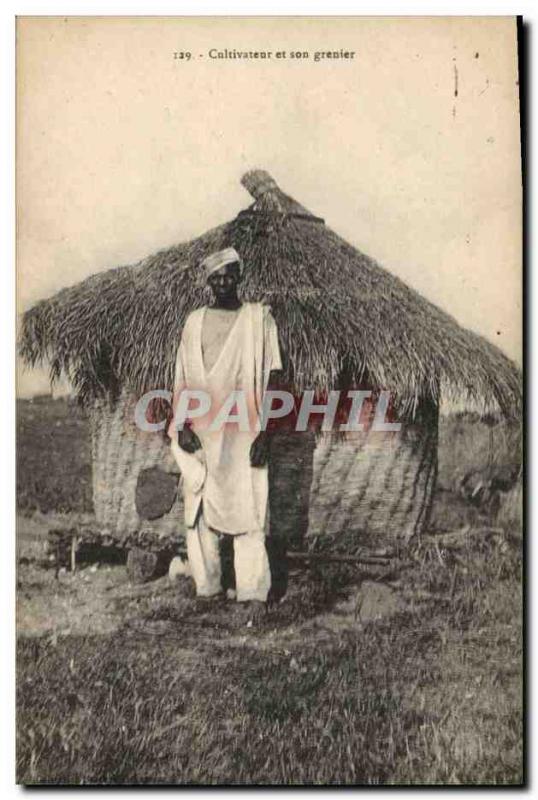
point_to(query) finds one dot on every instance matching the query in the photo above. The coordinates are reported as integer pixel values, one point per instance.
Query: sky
(409, 150)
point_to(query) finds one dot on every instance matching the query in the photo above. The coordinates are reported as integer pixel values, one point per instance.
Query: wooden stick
(374, 559)
(74, 545)
(381, 557)
(326, 558)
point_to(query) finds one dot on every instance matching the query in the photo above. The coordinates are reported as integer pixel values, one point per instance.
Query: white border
(8, 12)
(7, 398)
(268, 8)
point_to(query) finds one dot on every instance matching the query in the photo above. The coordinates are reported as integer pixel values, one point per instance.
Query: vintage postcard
(269, 401)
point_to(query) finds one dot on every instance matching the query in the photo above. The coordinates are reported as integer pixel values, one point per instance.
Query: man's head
(223, 273)
(224, 281)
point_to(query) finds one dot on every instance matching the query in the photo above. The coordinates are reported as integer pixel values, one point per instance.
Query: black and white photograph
(269, 401)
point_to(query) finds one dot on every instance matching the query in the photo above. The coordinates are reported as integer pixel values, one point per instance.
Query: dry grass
(431, 696)
(469, 442)
(54, 470)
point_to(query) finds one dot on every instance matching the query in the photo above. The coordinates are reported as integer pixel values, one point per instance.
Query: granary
(343, 321)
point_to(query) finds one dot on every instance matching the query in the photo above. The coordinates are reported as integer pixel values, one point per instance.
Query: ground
(350, 680)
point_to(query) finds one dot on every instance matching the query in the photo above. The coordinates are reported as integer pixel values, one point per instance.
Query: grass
(468, 442)
(432, 695)
(53, 457)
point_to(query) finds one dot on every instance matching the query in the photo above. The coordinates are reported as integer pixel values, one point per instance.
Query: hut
(343, 320)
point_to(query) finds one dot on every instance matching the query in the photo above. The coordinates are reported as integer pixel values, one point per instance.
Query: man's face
(224, 281)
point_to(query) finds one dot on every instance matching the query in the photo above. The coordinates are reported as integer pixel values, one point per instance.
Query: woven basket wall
(120, 453)
(375, 489)
(371, 488)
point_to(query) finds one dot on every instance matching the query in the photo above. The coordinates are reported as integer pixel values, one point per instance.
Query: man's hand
(259, 450)
(188, 440)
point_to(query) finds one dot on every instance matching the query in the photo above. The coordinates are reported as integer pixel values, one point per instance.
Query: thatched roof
(337, 311)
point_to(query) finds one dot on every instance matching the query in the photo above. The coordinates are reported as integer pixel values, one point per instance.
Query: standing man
(227, 351)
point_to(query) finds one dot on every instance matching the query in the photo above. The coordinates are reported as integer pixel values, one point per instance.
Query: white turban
(215, 261)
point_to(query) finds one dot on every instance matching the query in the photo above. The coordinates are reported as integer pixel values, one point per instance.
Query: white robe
(234, 494)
